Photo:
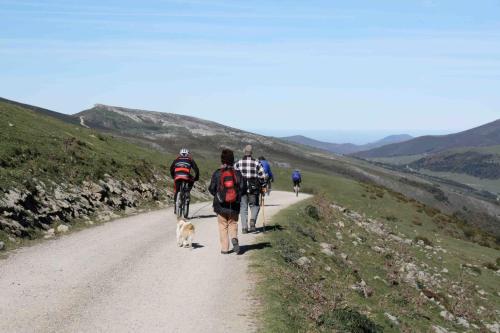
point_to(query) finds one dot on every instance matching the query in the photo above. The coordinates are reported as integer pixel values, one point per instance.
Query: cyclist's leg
(189, 187)
(176, 192)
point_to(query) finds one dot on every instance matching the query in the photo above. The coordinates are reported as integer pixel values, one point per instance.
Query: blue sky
(273, 66)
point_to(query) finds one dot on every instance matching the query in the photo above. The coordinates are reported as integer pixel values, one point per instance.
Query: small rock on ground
(303, 261)
(62, 228)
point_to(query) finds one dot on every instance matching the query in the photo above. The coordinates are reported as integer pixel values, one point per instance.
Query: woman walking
(227, 186)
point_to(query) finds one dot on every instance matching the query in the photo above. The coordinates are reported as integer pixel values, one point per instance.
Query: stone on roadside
(446, 315)
(392, 318)
(328, 252)
(2, 245)
(495, 328)
(49, 233)
(439, 329)
(325, 245)
(303, 261)
(463, 322)
(62, 228)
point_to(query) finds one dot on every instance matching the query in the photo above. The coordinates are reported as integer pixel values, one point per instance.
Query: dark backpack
(227, 189)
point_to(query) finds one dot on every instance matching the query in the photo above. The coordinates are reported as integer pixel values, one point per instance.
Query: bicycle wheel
(186, 204)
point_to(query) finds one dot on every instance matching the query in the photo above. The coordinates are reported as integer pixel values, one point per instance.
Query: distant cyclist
(180, 170)
(269, 174)
(297, 179)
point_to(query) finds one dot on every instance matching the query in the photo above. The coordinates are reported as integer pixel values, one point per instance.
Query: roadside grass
(317, 296)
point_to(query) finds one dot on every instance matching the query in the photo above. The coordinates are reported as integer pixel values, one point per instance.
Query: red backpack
(227, 191)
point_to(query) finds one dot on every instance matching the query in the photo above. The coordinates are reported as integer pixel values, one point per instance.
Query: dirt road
(129, 275)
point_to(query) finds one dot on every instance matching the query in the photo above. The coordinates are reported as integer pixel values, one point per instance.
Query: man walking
(226, 186)
(269, 174)
(254, 175)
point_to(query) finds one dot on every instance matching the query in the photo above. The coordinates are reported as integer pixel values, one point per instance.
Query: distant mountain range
(482, 136)
(346, 148)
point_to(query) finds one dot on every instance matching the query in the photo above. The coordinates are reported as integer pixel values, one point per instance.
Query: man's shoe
(244, 231)
(236, 245)
(252, 227)
(225, 252)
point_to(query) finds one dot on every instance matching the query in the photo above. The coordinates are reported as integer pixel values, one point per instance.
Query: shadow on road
(257, 246)
(269, 205)
(208, 216)
(197, 246)
(271, 228)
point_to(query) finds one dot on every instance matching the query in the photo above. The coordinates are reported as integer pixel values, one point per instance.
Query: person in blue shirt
(297, 179)
(269, 174)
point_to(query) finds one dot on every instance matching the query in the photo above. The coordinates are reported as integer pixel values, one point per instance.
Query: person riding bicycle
(180, 170)
(296, 178)
(269, 174)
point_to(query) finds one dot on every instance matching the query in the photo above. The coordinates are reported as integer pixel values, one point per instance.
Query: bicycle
(182, 202)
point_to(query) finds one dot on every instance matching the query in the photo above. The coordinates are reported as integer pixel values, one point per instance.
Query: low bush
(348, 320)
(423, 239)
(288, 252)
(490, 265)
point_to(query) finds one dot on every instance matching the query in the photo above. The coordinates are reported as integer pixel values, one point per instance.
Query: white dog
(185, 233)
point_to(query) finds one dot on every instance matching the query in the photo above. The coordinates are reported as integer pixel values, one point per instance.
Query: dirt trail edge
(129, 275)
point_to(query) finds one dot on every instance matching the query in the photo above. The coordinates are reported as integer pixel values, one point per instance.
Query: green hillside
(470, 162)
(35, 146)
(361, 258)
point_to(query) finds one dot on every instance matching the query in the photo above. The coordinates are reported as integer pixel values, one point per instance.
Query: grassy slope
(299, 300)
(48, 149)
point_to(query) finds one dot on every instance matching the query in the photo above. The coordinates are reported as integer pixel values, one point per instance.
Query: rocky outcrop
(42, 206)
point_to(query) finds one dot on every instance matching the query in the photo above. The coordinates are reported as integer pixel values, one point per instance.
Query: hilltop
(170, 132)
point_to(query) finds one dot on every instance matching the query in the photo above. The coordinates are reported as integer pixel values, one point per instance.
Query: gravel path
(128, 275)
